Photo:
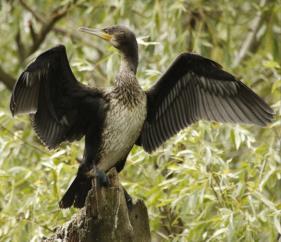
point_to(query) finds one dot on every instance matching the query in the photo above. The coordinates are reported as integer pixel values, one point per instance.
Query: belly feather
(122, 128)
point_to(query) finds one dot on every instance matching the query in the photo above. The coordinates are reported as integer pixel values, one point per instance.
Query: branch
(47, 27)
(21, 47)
(48, 24)
(106, 217)
(58, 30)
(32, 11)
(7, 79)
(250, 39)
(63, 32)
(38, 39)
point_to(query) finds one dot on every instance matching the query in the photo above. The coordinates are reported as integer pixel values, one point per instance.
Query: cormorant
(112, 121)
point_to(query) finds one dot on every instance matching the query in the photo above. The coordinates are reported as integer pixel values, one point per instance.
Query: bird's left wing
(61, 108)
(195, 88)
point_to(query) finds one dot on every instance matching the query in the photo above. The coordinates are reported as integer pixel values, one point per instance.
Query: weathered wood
(106, 218)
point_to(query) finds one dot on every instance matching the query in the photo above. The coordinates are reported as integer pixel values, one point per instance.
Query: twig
(24, 141)
(250, 40)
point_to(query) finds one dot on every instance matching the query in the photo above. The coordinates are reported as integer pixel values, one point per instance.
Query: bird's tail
(76, 193)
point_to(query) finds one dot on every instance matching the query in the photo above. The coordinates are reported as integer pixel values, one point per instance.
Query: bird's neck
(126, 76)
(129, 64)
(129, 60)
(127, 88)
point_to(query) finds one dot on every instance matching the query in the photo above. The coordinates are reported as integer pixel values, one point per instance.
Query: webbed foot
(101, 177)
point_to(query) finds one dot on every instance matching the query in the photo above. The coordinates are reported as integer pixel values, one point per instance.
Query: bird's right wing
(196, 88)
(59, 105)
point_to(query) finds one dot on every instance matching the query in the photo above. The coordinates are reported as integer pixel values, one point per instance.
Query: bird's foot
(101, 177)
(129, 200)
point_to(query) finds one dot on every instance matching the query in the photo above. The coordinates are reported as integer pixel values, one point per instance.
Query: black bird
(62, 109)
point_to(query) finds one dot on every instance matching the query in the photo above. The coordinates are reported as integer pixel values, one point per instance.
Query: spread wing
(195, 88)
(59, 105)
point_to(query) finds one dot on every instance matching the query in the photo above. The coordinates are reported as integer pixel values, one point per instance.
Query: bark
(106, 218)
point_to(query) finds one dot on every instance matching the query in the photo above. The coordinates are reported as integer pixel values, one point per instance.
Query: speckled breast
(123, 125)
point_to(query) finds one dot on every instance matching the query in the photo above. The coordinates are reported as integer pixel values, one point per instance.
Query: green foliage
(211, 182)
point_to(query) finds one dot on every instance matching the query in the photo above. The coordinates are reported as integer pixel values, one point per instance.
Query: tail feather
(76, 193)
(82, 193)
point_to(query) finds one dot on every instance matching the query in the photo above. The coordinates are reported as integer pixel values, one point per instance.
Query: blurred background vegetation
(211, 182)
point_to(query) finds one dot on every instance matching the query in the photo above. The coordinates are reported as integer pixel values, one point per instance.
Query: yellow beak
(98, 32)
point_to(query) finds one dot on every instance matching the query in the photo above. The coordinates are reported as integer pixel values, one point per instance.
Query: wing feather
(195, 88)
(48, 90)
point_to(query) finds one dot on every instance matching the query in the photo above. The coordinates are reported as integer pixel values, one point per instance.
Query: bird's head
(119, 36)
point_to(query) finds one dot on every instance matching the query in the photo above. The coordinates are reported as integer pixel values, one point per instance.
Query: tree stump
(106, 217)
